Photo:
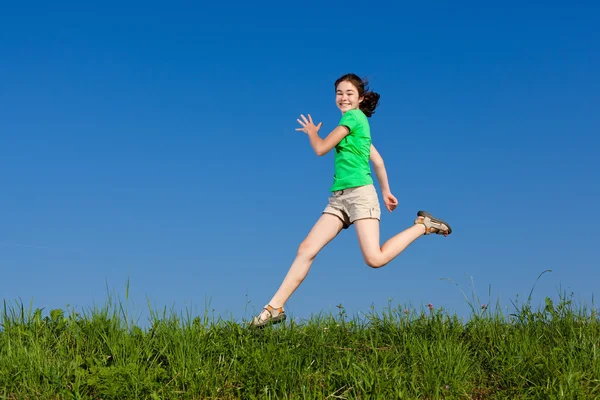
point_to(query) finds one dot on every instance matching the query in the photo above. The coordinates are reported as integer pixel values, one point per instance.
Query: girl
(354, 199)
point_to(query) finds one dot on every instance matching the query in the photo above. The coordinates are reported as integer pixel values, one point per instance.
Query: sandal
(432, 224)
(276, 315)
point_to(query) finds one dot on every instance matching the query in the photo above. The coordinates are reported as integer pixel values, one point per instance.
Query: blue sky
(157, 143)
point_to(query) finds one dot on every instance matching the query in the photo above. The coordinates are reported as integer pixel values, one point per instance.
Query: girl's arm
(388, 198)
(321, 146)
(379, 168)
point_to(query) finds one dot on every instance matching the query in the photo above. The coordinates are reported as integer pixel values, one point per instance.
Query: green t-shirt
(352, 153)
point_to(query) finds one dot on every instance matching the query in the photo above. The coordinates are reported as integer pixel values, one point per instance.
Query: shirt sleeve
(349, 120)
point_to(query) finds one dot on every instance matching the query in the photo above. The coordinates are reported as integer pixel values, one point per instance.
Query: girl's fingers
(308, 121)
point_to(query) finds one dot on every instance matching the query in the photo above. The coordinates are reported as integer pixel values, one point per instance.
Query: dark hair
(370, 100)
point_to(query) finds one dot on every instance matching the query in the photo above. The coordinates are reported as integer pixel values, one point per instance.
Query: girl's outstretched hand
(308, 126)
(390, 201)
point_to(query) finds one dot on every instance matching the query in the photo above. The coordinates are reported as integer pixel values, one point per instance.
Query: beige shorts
(354, 203)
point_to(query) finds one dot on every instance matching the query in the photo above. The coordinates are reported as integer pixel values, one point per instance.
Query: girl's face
(346, 97)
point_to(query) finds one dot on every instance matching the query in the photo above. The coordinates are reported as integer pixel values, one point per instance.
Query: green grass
(551, 352)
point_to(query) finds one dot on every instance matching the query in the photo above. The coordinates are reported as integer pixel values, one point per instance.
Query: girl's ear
(361, 99)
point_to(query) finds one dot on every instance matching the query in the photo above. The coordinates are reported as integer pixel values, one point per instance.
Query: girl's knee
(307, 250)
(374, 260)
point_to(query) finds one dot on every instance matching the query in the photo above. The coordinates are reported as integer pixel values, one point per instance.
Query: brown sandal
(432, 224)
(276, 315)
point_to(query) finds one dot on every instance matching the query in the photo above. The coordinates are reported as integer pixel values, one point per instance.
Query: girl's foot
(432, 224)
(269, 315)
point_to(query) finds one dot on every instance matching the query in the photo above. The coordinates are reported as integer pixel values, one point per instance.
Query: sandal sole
(441, 221)
(270, 321)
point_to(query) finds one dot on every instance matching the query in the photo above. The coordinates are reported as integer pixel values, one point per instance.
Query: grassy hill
(551, 352)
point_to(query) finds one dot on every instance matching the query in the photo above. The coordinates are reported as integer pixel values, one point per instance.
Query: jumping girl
(354, 199)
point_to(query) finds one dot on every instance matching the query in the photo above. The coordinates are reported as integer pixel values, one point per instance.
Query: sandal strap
(430, 225)
(270, 309)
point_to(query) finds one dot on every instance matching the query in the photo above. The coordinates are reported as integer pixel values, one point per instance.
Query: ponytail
(369, 103)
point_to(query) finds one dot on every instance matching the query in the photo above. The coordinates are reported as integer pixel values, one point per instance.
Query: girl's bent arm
(323, 146)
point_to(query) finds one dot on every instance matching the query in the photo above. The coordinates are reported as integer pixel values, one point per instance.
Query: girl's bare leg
(325, 229)
(367, 231)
